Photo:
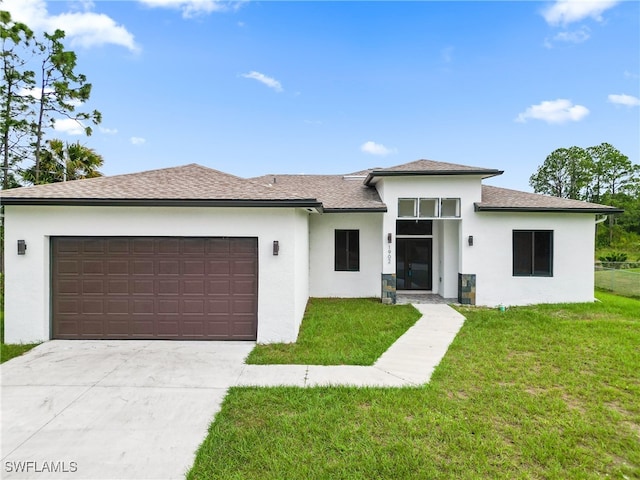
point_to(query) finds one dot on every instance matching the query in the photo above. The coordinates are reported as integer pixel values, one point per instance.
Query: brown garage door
(154, 288)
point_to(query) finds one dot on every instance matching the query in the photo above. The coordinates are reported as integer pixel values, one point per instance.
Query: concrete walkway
(409, 361)
(140, 409)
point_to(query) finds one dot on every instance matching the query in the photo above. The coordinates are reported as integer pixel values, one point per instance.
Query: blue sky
(252, 88)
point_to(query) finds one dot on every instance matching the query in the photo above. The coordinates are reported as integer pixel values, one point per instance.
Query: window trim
(532, 272)
(346, 250)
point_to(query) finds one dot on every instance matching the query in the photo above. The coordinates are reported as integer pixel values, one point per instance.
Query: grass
(547, 391)
(341, 332)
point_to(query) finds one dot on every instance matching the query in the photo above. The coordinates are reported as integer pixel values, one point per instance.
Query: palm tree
(63, 161)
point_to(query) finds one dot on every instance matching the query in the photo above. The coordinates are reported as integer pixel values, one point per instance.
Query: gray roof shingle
(336, 192)
(504, 199)
(430, 167)
(188, 183)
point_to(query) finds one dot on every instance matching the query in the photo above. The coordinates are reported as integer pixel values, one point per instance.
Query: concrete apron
(140, 409)
(113, 409)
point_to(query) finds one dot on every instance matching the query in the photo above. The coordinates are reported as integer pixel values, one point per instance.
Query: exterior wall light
(276, 247)
(470, 239)
(22, 247)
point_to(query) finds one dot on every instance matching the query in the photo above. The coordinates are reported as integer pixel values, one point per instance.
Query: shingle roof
(336, 192)
(430, 167)
(186, 184)
(502, 199)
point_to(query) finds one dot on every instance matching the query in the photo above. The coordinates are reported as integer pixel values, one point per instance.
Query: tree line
(40, 86)
(598, 174)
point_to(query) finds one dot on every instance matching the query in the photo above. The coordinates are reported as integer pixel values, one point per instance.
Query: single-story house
(194, 253)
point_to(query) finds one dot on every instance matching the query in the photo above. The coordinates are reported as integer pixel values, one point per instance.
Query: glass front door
(413, 263)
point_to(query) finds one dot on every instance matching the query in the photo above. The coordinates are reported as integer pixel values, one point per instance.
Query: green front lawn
(354, 331)
(548, 391)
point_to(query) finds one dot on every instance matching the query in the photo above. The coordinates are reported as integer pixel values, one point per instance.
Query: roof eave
(481, 208)
(414, 173)
(356, 210)
(162, 202)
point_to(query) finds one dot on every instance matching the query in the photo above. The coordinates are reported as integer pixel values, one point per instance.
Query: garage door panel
(169, 246)
(154, 287)
(92, 307)
(169, 267)
(218, 246)
(244, 246)
(143, 307)
(69, 287)
(93, 287)
(118, 307)
(219, 287)
(168, 287)
(194, 246)
(142, 287)
(220, 267)
(143, 267)
(244, 267)
(68, 267)
(193, 267)
(118, 267)
(118, 287)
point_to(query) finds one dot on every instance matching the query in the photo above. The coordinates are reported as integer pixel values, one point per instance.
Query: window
(414, 227)
(428, 207)
(450, 207)
(347, 251)
(533, 253)
(406, 207)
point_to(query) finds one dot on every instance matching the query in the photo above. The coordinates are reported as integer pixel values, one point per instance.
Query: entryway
(414, 262)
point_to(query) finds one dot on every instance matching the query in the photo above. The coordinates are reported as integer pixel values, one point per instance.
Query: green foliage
(63, 161)
(15, 112)
(31, 101)
(599, 174)
(564, 173)
(614, 257)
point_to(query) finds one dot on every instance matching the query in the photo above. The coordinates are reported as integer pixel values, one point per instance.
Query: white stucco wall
(282, 284)
(490, 258)
(324, 281)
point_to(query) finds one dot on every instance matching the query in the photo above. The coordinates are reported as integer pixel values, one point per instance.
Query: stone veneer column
(389, 288)
(467, 288)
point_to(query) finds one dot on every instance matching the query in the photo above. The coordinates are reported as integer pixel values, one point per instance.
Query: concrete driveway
(112, 409)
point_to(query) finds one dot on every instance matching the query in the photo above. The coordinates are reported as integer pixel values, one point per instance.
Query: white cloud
(68, 126)
(623, 99)
(577, 36)
(564, 12)
(262, 78)
(108, 131)
(554, 111)
(376, 148)
(138, 140)
(189, 8)
(82, 28)
(631, 75)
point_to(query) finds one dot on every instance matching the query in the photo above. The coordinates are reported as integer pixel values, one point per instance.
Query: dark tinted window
(414, 227)
(533, 253)
(347, 250)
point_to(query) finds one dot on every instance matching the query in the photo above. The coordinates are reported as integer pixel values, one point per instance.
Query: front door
(413, 264)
